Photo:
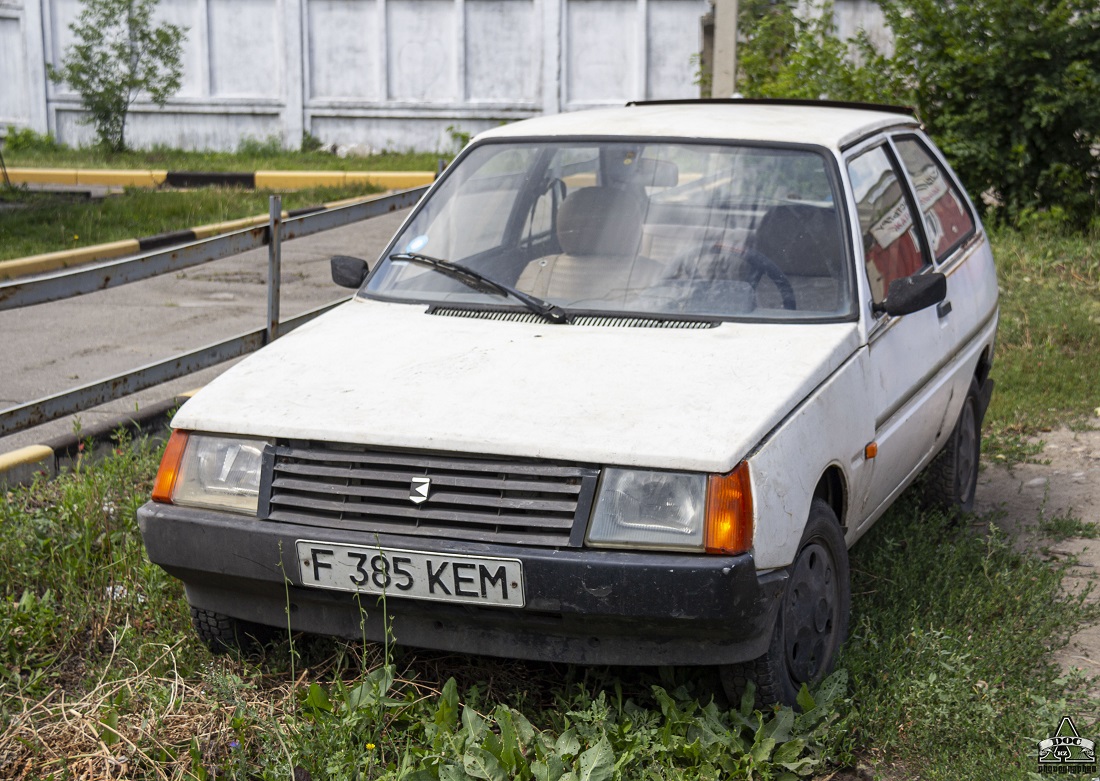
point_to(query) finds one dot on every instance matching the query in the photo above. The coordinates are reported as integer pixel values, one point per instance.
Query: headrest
(802, 239)
(600, 221)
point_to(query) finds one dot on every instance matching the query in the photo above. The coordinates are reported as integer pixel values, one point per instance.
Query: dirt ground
(1063, 481)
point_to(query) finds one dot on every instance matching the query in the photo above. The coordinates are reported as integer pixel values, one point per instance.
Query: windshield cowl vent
(604, 321)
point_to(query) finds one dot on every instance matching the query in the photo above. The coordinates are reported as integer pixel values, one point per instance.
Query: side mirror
(912, 294)
(348, 271)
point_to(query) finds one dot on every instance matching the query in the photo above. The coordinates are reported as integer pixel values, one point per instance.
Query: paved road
(52, 347)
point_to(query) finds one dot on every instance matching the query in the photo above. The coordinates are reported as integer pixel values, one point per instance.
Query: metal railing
(60, 285)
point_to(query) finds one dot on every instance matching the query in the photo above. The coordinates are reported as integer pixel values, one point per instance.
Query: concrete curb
(23, 466)
(52, 261)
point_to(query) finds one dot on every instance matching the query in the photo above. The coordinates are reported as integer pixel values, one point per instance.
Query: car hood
(392, 375)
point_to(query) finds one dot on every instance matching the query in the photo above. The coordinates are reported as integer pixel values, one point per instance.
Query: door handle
(943, 309)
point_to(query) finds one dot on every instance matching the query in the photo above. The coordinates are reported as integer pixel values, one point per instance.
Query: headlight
(674, 511)
(649, 509)
(203, 470)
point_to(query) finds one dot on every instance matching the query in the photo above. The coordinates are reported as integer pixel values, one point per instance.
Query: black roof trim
(779, 102)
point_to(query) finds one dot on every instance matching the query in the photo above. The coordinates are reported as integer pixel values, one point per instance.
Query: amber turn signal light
(729, 511)
(169, 467)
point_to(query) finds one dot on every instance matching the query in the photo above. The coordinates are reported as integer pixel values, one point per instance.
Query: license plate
(414, 574)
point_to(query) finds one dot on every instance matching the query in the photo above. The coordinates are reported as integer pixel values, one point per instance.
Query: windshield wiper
(478, 281)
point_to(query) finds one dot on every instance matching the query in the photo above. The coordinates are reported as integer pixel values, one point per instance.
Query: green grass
(1048, 343)
(1064, 527)
(46, 222)
(33, 151)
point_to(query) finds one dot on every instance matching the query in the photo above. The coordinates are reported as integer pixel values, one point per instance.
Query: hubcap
(810, 614)
(967, 453)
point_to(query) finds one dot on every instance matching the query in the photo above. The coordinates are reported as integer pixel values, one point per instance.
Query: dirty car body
(623, 389)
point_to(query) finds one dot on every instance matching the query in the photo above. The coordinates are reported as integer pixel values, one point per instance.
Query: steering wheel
(760, 265)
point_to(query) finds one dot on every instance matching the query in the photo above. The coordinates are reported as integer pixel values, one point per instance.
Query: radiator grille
(482, 499)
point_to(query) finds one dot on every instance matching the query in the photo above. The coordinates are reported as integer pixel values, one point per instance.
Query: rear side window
(891, 242)
(947, 220)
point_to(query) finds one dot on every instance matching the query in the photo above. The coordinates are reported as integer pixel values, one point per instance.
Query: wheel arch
(832, 488)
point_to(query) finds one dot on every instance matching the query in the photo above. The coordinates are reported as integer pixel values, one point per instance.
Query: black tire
(225, 634)
(812, 623)
(951, 479)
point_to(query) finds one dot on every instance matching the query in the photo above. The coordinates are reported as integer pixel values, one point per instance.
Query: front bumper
(583, 606)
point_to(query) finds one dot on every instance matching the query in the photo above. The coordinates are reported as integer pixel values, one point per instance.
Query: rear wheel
(951, 480)
(225, 634)
(812, 622)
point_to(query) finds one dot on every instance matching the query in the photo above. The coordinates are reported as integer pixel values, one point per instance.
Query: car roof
(831, 125)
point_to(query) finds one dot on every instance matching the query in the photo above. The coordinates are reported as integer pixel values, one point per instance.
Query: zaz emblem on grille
(418, 491)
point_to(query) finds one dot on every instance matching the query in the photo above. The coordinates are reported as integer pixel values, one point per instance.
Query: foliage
(1007, 89)
(793, 53)
(272, 146)
(310, 143)
(118, 56)
(1048, 341)
(21, 140)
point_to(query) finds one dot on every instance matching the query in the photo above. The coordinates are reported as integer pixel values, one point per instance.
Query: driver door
(906, 354)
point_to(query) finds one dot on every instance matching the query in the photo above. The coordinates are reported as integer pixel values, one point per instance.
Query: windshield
(669, 229)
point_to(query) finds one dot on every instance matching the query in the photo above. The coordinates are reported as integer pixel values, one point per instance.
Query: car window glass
(471, 210)
(947, 220)
(891, 244)
(712, 230)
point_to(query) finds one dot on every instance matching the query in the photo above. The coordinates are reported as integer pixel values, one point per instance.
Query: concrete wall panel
(245, 48)
(14, 96)
(421, 51)
(601, 52)
(674, 35)
(343, 50)
(503, 49)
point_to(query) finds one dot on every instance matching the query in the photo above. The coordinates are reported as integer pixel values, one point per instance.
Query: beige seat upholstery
(599, 230)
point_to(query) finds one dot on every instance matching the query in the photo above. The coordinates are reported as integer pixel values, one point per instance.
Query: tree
(791, 51)
(1011, 91)
(118, 56)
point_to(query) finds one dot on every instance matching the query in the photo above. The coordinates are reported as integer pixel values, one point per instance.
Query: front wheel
(224, 634)
(812, 622)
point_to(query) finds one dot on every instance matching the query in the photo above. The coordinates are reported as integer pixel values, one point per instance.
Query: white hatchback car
(623, 389)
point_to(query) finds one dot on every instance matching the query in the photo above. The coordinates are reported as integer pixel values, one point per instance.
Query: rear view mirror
(348, 271)
(914, 293)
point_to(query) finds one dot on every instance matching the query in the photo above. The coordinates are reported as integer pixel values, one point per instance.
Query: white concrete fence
(391, 74)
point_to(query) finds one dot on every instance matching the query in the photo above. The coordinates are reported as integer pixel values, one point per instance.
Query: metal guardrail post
(274, 267)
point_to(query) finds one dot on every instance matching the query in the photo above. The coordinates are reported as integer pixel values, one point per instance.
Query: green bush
(26, 140)
(1010, 91)
(1007, 89)
(788, 55)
